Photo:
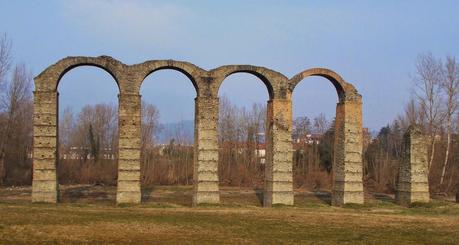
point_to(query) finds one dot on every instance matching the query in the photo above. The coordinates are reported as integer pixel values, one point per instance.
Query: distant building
(308, 139)
(84, 153)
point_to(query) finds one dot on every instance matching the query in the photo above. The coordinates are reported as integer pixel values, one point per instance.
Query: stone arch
(49, 79)
(45, 138)
(343, 89)
(278, 173)
(270, 78)
(347, 159)
(191, 71)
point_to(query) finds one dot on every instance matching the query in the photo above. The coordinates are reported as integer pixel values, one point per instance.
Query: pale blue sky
(372, 44)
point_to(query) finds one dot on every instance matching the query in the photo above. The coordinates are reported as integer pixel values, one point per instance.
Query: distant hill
(180, 131)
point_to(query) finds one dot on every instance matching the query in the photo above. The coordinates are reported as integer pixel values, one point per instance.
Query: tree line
(88, 138)
(16, 112)
(433, 105)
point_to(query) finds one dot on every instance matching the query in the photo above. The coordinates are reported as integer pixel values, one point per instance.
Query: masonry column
(278, 169)
(45, 147)
(206, 151)
(348, 167)
(412, 184)
(128, 189)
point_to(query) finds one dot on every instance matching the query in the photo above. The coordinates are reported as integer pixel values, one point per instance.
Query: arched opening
(314, 104)
(87, 135)
(241, 138)
(167, 143)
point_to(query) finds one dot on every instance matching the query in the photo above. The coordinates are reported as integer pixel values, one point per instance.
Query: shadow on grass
(146, 193)
(383, 197)
(166, 196)
(259, 192)
(324, 197)
(86, 193)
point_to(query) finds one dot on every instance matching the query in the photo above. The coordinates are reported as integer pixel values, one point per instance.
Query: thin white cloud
(136, 22)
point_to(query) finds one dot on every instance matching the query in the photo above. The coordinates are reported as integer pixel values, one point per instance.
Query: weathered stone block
(207, 186)
(348, 167)
(202, 197)
(45, 141)
(44, 153)
(128, 197)
(273, 198)
(130, 175)
(129, 153)
(45, 119)
(44, 163)
(45, 174)
(125, 164)
(129, 142)
(208, 176)
(206, 155)
(128, 186)
(44, 185)
(43, 196)
(412, 183)
(211, 165)
(45, 130)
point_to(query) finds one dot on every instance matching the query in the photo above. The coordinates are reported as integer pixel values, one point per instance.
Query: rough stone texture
(347, 165)
(412, 184)
(278, 175)
(347, 168)
(278, 169)
(44, 183)
(128, 188)
(206, 151)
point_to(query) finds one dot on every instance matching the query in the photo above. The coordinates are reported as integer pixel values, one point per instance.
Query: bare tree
(5, 58)
(412, 114)
(149, 128)
(428, 93)
(450, 86)
(96, 130)
(301, 127)
(5, 63)
(241, 143)
(321, 124)
(66, 128)
(184, 140)
(17, 126)
(150, 125)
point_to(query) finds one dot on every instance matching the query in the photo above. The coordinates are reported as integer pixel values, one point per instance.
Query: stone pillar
(347, 166)
(205, 170)
(128, 189)
(412, 184)
(279, 158)
(45, 147)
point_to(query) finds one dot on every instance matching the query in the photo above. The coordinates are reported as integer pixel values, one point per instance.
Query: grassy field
(88, 215)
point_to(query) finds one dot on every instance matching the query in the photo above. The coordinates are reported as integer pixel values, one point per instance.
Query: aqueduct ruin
(347, 168)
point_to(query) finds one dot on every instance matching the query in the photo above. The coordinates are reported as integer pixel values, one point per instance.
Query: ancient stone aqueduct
(347, 169)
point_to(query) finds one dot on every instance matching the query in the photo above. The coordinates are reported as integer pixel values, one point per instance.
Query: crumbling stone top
(206, 82)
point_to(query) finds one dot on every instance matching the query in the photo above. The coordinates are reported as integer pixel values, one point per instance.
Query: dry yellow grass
(160, 223)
